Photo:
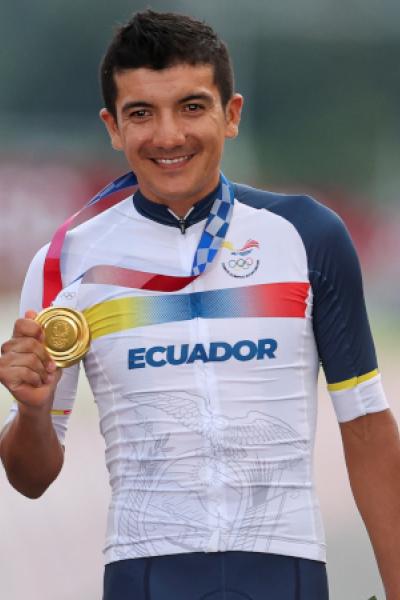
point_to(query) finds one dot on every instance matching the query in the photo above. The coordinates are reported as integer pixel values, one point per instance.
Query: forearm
(31, 453)
(372, 450)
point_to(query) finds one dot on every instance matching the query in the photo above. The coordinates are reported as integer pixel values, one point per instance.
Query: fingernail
(51, 367)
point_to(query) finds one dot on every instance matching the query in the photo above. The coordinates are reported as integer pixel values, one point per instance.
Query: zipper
(182, 221)
(182, 224)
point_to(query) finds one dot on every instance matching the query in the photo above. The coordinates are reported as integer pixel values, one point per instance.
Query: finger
(29, 361)
(27, 328)
(20, 376)
(27, 345)
(55, 377)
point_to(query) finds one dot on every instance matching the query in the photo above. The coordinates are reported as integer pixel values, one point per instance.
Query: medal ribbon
(211, 239)
(52, 281)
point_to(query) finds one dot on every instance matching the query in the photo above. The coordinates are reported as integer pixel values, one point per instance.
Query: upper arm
(368, 430)
(371, 446)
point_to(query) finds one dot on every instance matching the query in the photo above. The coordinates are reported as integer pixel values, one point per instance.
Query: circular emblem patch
(242, 262)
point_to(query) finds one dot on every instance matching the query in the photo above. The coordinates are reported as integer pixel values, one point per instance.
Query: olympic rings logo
(241, 263)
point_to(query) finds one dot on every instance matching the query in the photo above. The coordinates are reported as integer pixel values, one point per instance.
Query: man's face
(171, 126)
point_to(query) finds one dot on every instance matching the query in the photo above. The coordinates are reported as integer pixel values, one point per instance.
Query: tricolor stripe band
(348, 384)
(60, 413)
(266, 300)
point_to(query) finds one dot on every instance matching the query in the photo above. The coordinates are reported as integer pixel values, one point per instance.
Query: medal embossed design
(66, 334)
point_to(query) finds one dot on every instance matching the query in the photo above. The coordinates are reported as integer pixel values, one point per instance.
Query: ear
(233, 113)
(112, 128)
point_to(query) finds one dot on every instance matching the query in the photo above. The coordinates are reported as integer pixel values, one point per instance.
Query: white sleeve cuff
(366, 397)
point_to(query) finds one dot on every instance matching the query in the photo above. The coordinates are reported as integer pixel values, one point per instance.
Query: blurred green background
(321, 80)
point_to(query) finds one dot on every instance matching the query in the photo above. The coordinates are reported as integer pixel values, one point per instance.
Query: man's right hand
(26, 369)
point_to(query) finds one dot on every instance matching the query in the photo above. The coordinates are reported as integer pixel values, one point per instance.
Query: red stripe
(250, 244)
(288, 299)
(52, 282)
(140, 280)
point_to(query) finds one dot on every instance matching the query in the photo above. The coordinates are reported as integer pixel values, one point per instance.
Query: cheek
(135, 138)
(216, 142)
(135, 148)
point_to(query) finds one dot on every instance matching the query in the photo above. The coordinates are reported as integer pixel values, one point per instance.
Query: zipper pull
(182, 224)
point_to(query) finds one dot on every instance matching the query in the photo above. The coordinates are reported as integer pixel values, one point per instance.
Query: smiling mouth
(173, 162)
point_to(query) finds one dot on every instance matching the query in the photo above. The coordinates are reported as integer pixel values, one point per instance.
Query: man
(210, 305)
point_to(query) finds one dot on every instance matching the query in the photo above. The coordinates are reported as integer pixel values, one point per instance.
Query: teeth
(171, 161)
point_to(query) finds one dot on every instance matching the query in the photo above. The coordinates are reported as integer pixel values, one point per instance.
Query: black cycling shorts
(216, 576)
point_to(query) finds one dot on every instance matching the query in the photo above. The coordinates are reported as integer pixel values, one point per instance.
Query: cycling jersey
(207, 393)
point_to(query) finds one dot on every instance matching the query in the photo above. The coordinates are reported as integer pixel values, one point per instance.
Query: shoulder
(90, 239)
(101, 223)
(316, 223)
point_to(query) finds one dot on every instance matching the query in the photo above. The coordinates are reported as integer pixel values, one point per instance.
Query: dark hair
(160, 40)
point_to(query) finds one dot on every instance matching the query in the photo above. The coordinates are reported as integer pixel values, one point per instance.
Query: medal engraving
(61, 335)
(66, 334)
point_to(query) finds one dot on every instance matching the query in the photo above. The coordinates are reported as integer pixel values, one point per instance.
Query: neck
(181, 203)
(167, 215)
(180, 210)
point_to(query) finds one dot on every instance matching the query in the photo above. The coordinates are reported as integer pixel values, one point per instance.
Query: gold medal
(66, 334)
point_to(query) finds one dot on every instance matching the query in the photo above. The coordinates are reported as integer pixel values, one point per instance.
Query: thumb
(54, 377)
(30, 314)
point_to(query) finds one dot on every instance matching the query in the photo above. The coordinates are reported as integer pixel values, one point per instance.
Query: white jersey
(207, 395)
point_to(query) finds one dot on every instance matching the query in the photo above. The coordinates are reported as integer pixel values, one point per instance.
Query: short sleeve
(340, 321)
(31, 299)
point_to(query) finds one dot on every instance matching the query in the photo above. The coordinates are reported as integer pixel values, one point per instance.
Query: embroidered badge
(242, 262)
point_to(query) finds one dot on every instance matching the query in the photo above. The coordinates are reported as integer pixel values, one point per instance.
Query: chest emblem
(241, 262)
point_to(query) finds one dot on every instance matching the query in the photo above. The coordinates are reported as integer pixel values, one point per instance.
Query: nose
(168, 132)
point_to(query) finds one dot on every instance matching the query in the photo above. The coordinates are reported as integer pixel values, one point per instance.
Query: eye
(193, 107)
(140, 114)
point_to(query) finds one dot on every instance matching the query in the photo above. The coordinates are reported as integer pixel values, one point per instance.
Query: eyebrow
(200, 96)
(143, 104)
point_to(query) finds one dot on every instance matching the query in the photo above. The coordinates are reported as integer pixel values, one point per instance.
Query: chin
(175, 192)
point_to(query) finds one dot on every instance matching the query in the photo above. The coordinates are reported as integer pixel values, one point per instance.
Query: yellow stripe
(60, 412)
(348, 384)
(116, 315)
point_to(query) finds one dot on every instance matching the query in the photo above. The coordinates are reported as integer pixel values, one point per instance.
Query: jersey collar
(161, 214)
